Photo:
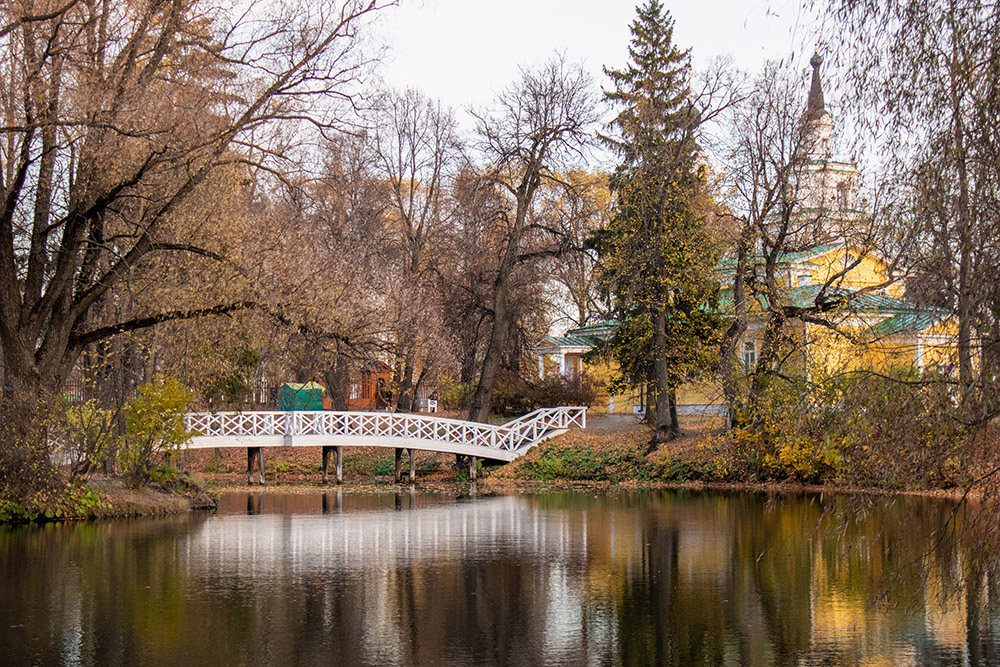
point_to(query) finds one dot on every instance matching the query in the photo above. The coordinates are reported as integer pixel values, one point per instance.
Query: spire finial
(815, 105)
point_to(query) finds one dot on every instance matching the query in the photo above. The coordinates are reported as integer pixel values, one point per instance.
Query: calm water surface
(638, 578)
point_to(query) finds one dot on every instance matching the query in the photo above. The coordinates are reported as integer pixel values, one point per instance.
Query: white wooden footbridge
(333, 430)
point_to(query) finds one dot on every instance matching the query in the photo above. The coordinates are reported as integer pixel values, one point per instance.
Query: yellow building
(871, 326)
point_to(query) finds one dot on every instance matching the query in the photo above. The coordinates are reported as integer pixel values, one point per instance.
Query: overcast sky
(464, 51)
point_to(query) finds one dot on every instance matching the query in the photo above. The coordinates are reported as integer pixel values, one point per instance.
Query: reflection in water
(635, 578)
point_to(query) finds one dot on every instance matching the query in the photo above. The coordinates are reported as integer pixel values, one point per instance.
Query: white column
(562, 364)
(918, 354)
(541, 366)
(581, 368)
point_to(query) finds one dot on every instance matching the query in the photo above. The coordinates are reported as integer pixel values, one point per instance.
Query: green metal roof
(602, 330)
(728, 264)
(913, 321)
(902, 315)
(569, 341)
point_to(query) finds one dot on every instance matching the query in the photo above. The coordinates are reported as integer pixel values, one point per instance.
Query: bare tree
(582, 210)
(418, 151)
(538, 124)
(114, 116)
(773, 196)
(925, 75)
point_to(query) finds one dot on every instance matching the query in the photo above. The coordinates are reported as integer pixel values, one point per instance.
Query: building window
(749, 353)
(353, 392)
(842, 196)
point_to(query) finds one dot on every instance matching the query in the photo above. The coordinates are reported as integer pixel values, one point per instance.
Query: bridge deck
(503, 442)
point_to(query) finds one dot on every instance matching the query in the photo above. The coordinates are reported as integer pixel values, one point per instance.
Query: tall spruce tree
(656, 254)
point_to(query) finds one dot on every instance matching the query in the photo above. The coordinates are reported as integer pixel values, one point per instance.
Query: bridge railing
(510, 436)
(532, 426)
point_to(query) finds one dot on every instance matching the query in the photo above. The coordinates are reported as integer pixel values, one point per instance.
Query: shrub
(385, 467)
(72, 500)
(154, 427)
(455, 395)
(583, 463)
(893, 430)
(88, 433)
(673, 469)
(518, 396)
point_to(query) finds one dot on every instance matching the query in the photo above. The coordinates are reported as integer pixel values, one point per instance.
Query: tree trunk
(768, 356)
(479, 409)
(729, 346)
(675, 424)
(25, 465)
(480, 406)
(417, 385)
(337, 379)
(405, 402)
(664, 429)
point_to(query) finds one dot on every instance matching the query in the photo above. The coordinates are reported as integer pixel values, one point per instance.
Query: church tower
(827, 189)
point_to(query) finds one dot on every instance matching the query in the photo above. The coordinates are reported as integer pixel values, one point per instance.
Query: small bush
(154, 427)
(455, 395)
(429, 465)
(73, 500)
(385, 467)
(163, 475)
(518, 396)
(673, 469)
(582, 463)
(88, 432)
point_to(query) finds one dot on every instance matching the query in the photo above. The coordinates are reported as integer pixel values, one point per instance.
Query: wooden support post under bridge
(338, 462)
(398, 468)
(255, 454)
(469, 462)
(413, 465)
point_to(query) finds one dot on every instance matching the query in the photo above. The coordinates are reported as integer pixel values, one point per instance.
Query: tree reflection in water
(625, 578)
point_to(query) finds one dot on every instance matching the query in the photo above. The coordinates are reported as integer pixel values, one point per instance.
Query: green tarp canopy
(300, 396)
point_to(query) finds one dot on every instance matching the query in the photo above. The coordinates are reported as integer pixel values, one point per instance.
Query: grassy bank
(705, 455)
(109, 497)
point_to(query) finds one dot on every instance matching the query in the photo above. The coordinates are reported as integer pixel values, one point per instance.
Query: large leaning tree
(116, 116)
(537, 128)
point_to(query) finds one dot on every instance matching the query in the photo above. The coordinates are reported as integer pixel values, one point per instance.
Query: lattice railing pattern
(510, 436)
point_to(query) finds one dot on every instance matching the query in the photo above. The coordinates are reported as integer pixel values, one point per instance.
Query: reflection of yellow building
(865, 323)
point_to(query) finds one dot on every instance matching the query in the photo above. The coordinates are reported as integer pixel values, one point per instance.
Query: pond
(574, 578)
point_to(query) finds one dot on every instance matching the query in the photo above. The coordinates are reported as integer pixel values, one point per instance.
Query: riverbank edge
(121, 502)
(114, 499)
(485, 487)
